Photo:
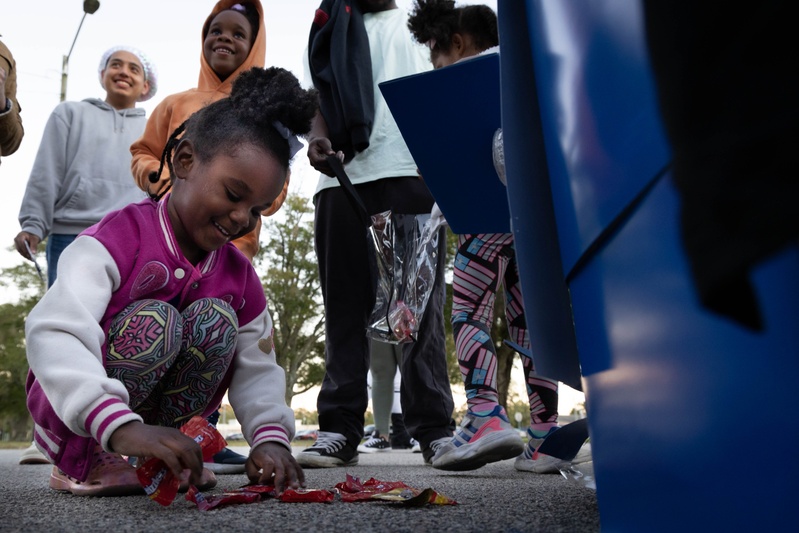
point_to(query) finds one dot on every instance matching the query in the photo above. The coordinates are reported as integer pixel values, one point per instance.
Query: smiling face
(227, 43)
(123, 79)
(216, 201)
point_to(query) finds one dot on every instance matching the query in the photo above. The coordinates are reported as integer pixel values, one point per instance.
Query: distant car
(368, 430)
(235, 436)
(306, 434)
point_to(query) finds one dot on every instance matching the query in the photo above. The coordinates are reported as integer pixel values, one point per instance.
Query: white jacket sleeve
(64, 343)
(258, 388)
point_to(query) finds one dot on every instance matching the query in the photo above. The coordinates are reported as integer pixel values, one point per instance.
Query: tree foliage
(291, 283)
(15, 421)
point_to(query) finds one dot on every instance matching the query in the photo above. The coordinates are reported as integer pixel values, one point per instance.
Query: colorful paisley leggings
(171, 362)
(483, 262)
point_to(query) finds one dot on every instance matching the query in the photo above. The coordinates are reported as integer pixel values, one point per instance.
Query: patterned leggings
(482, 262)
(171, 362)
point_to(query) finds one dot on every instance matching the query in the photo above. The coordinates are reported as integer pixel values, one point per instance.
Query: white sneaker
(415, 446)
(329, 450)
(538, 463)
(32, 456)
(429, 453)
(376, 443)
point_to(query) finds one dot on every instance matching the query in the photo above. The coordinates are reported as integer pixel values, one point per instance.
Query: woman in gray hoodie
(82, 168)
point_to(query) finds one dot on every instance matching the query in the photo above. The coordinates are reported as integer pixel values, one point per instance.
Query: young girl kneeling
(155, 313)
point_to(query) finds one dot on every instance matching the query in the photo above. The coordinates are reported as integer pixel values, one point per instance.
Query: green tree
(291, 283)
(15, 421)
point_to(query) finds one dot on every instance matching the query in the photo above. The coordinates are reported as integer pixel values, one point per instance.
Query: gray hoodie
(82, 168)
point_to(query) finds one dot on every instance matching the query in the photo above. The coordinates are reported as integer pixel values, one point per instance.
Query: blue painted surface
(692, 417)
(603, 135)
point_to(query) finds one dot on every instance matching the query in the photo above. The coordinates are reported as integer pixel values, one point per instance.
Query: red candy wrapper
(206, 502)
(307, 495)
(402, 321)
(353, 490)
(264, 491)
(158, 481)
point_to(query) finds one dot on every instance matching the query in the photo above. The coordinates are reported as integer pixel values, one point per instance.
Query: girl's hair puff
(435, 21)
(259, 99)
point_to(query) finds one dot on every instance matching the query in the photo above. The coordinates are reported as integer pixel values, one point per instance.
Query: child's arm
(65, 346)
(258, 396)
(147, 150)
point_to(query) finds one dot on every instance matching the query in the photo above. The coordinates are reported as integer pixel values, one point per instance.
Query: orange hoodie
(176, 108)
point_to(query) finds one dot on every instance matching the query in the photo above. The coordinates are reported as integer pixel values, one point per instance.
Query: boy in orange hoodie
(233, 41)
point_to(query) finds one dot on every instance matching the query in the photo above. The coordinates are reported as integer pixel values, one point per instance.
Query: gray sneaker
(429, 453)
(480, 440)
(329, 450)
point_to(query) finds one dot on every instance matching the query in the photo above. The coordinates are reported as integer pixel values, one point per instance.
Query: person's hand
(318, 150)
(272, 463)
(178, 451)
(32, 240)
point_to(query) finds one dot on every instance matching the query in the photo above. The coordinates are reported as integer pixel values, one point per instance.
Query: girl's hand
(179, 452)
(271, 463)
(318, 150)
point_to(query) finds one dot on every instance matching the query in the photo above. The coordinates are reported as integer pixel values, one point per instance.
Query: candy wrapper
(307, 496)
(206, 502)
(353, 490)
(256, 493)
(291, 495)
(158, 481)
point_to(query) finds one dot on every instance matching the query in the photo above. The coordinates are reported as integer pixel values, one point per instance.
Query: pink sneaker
(480, 440)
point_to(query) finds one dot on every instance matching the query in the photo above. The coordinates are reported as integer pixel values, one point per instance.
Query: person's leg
(382, 368)
(143, 343)
(171, 362)
(426, 395)
(56, 243)
(541, 392)
(348, 296)
(210, 329)
(486, 434)
(400, 438)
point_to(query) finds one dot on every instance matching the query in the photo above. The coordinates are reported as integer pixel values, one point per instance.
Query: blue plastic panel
(693, 420)
(603, 135)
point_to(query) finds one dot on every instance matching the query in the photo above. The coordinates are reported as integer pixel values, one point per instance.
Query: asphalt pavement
(495, 498)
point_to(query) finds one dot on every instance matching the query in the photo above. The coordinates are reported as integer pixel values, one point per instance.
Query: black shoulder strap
(349, 189)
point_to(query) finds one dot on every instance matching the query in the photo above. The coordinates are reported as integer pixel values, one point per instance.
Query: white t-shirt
(394, 54)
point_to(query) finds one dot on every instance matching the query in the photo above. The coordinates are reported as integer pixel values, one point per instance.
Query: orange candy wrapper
(158, 481)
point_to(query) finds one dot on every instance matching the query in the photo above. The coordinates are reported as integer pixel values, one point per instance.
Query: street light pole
(89, 7)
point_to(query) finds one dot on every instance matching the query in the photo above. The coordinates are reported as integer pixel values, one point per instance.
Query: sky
(40, 33)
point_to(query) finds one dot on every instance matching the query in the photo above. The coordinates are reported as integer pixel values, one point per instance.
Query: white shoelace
(331, 442)
(373, 441)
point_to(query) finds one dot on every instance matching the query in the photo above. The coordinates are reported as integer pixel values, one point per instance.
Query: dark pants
(348, 288)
